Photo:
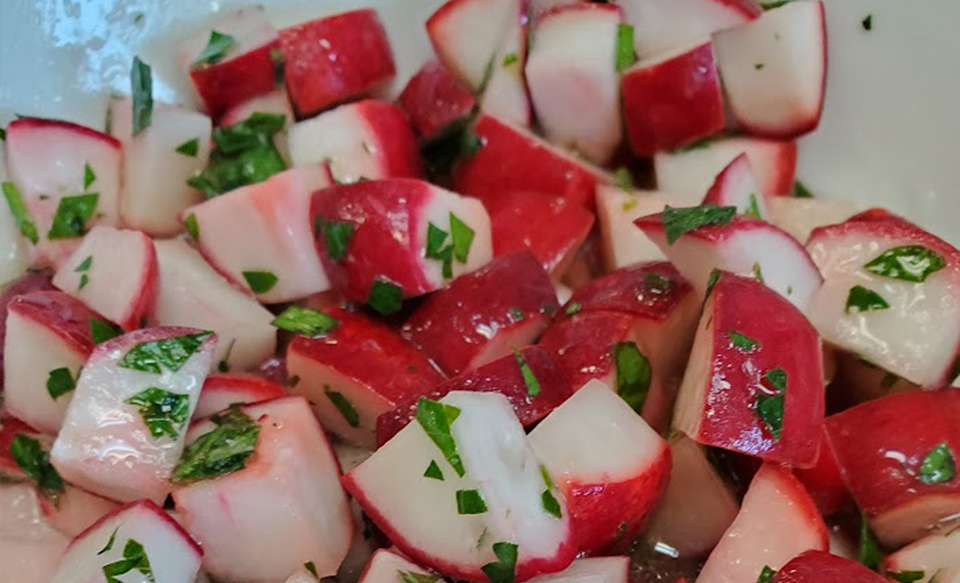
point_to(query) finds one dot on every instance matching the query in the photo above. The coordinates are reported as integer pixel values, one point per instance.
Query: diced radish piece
(692, 170)
(890, 296)
(504, 376)
(742, 245)
(157, 163)
(610, 464)
(191, 293)
(933, 556)
(48, 162)
(897, 456)
(220, 391)
(824, 481)
(514, 159)
(505, 94)
(777, 521)
(574, 84)
(114, 272)
(388, 225)
(14, 251)
(335, 58)
(29, 546)
(550, 227)
(736, 186)
(664, 25)
(591, 570)
(386, 565)
(484, 315)
(125, 427)
(140, 532)
(368, 139)
(275, 102)
(467, 33)
(696, 508)
(823, 567)
(433, 100)
(244, 70)
(800, 216)
(501, 492)
(32, 281)
(290, 485)
(260, 236)
(356, 371)
(754, 382)
(774, 70)
(672, 99)
(623, 243)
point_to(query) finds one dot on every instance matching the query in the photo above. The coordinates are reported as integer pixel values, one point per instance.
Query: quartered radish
(932, 556)
(113, 271)
(572, 74)
(736, 186)
(14, 249)
(824, 567)
(220, 391)
(591, 569)
(125, 427)
(386, 565)
(365, 140)
(623, 243)
(261, 238)
(609, 463)
(282, 476)
(353, 368)
(434, 100)
(191, 293)
(505, 94)
(800, 216)
(32, 281)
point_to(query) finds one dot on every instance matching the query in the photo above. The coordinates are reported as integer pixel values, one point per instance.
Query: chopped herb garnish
(470, 502)
(193, 228)
(276, 55)
(939, 466)
(134, 558)
(509, 59)
(861, 299)
(625, 54)
(336, 236)
(753, 208)
(529, 379)
(253, 131)
(550, 504)
(35, 463)
(309, 566)
(766, 575)
(20, 212)
(305, 321)
(109, 545)
(245, 154)
(908, 263)
(172, 353)
(801, 191)
(742, 342)
(344, 406)
(84, 265)
(657, 283)
(906, 576)
(84, 280)
(867, 23)
(385, 297)
(516, 314)
(163, 412)
(679, 221)
(223, 450)
(758, 66)
(573, 308)
(455, 142)
(623, 179)
(436, 237)
(503, 570)
(633, 374)
(101, 331)
(711, 282)
(412, 577)
(770, 410)
(89, 176)
(462, 237)
(757, 273)
(772, 5)
(189, 148)
(73, 212)
(436, 418)
(433, 471)
(869, 554)
(141, 88)
(698, 145)
(777, 378)
(216, 49)
(60, 382)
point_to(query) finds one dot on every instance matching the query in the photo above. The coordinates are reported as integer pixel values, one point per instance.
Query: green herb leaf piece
(344, 406)
(529, 379)
(939, 466)
(163, 412)
(109, 545)
(503, 570)
(72, 215)
(193, 228)
(742, 342)
(309, 566)
(867, 23)
(260, 282)
(634, 374)
(172, 353)
(861, 299)
(623, 179)
(772, 5)
(336, 235)
(189, 148)
(757, 273)
(914, 263)
(753, 209)
(770, 410)
(60, 382)
(141, 88)
(625, 54)
(509, 59)
(436, 238)
(679, 221)
(412, 577)
(84, 280)
(35, 463)
(766, 575)
(657, 283)
(101, 331)
(516, 314)
(573, 308)
(433, 471)
(89, 176)
(470, 502)
(777, 378)
(256, 130)
(801, 191)
(84, 265)
(906, 576)
(436, 418)
(134, 559)
(223, 450)
(385, 297)
(550, 504)
(869, 553)
(305, 321)
(227, 172)
(20, 212)
(216, 49)
(462, 236)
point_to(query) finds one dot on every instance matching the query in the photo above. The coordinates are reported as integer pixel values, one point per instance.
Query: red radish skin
(501, 376)
(823, 567)
(484, 315)
(506, 94)
(880, 446)
(31, 281)
(672, 100)
(466, 35)
(651, 290)
(433, 100)
(723, 381)
(824, 481)
(736, 186)
(224, 390)
(332, 59)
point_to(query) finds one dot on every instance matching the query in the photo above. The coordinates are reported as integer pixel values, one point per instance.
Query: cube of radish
(505, 376)
(824, 482)
(48, 161)
(380, 235)
(14, 251)
(138, 538)
(890, 296)
(261, 238)
(550, 227)
(824, 567)
(573, 78)
(897, 456)
(774, 70)
(610, 464)
(32, 281)
(433, 100)
(492, 491)
(289, 485)
(591, 569)
(157, 163)
(514, 159)
(29, 546)
(192, 293)
(355, 372)
(754, 382)
(125, 427)
(623, 243)
(114, 271)
(47, 342)
(386, 565)
(220, 391)
(466, 35)
(692, 170)
(276, 102)
(934, 556)
(736, 186)
(800, 216)
(368, 139)
(664, 25)
(742, 245)
(245, 69)
(484, 315)
(777, 521)
(696, 508)
(505, 94)
(672, 99)
(335, 58)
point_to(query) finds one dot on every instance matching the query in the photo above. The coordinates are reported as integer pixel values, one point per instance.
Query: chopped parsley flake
(343, 405)
(770, 406)
(742, 342)
(679, 221)
(436, 418)
(516, 314)
(433, 471)
(109, 545)
(134, 559)
(163, 412)
(623, 179)
(625, 54)
(766, 575)
(305, 321)
(550, 504)
(906, 576)
(757, 273)
(84, 265)
(914, 263)
(60, 382)
(573, 308)
(223, 450)
(772, 5)
(861, 299)
(529, 379)
(309, 566)
(72, 215)
(89, 176)
(412, 577)
(509, 59)
(20, 212)
(939, 466)
(753, 208)
(385, 297)
(758, 66)
(141, 88)
(336, 236)
(192, 227)
(216, 49)
(867, 23)
(634, 374)
(470, 502)
(801, 191)
(189, 148)
(869, 553)
(35, 463)
(101, 331)
(503, 570)
(245, 154)
(84, 280)
(260, 282)
(172, 353)
(462, 236)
